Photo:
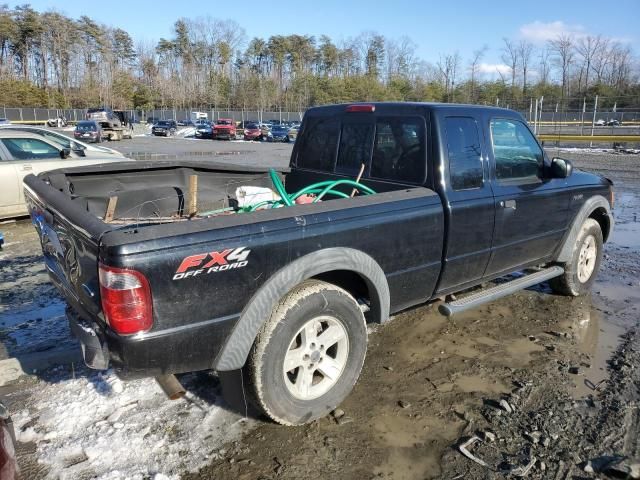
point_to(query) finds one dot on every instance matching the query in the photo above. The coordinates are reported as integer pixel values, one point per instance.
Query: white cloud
(540, 32)
(494, 68)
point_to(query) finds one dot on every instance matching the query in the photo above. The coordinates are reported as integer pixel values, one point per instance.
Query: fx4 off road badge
(212, 262)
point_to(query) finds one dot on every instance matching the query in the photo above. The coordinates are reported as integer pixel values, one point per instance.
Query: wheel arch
(348, 268)
(596, 207)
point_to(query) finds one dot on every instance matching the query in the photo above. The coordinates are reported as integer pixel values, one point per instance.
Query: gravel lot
(569, 370)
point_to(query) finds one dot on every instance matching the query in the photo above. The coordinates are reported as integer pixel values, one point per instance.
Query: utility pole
(593, 121)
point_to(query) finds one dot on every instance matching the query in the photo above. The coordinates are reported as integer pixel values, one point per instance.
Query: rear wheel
(309, 354)
(580, 272)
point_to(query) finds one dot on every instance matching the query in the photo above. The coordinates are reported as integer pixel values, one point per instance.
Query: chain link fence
(547, 115)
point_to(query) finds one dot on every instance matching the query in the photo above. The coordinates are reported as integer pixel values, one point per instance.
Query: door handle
(27, 167)
(508, 204)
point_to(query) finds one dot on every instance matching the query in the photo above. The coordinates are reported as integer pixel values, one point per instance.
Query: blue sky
(436, 27)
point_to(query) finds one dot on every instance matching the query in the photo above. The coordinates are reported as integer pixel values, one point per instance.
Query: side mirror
(64, 153)
(561, 168)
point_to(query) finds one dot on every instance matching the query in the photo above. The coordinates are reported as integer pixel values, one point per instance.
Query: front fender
(591, 205)
(236, 349)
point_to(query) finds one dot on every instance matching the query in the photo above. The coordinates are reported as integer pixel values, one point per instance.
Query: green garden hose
(320, 189)
(277, 183)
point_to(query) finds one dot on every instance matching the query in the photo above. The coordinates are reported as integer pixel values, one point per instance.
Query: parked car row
(229, 129)
(226, 128)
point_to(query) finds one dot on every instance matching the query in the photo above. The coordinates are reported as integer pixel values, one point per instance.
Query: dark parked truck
(448, 197)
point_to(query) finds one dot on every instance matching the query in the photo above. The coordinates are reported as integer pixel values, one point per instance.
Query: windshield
(279, 129)
(224, 122)
(164, 123)
(252, 126)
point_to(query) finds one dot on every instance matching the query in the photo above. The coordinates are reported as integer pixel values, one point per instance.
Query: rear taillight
(126, 300)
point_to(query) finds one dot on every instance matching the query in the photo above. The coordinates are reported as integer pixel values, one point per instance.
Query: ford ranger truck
(448, 197)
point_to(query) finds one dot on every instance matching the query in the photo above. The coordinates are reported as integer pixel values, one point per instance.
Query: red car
(224, 128)
(252, 131)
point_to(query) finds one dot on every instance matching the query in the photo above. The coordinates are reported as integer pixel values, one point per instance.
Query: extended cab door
(469, 200)
(531, 210)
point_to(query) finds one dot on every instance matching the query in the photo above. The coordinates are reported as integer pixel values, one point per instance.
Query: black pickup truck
(171, 278)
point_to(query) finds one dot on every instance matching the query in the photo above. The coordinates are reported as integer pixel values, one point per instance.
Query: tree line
(50, 60)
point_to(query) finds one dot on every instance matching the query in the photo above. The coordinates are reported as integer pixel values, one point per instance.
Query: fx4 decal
(212, 262)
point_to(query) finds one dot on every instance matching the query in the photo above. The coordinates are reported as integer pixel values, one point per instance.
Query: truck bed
(151, 192)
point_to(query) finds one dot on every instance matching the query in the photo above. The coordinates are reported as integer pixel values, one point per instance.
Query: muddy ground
(567, 370)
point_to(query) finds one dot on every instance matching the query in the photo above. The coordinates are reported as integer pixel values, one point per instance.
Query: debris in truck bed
(246, 199)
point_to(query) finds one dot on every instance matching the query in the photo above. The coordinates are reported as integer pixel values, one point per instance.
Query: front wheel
(309, 354)
(580, 272)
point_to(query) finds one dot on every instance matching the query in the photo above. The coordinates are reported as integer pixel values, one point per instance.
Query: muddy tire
(580, 272)
(309, 354)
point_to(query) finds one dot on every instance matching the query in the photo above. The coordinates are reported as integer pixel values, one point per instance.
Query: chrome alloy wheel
(316, 357)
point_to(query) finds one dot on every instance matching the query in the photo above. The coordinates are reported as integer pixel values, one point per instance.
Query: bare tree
(620, 66)
(511, 57)
(400, 57)
(448, 66)
(563, 49)
(525, 49)
(474, 70)
(588, 47)
(601, 60)
(545, 68)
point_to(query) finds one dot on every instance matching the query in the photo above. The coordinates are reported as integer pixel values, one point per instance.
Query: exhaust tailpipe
(171, 386)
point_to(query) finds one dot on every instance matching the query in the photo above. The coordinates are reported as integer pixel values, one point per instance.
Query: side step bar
(499, 291)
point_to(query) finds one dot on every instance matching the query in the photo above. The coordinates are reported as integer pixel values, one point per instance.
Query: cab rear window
(319, 144)
(390, 147)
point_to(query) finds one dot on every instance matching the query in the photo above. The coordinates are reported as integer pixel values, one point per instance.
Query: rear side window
(355, 147)
(319, 144)
(399, 149)
(465, 158)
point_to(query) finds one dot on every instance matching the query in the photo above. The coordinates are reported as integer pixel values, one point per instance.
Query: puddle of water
(478, 383)
(618, 293)
(34, 328)
(597, 338)
(626, 235)
(404, 436)
(520, 351)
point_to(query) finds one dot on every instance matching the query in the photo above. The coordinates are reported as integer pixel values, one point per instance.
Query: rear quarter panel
(403, 233)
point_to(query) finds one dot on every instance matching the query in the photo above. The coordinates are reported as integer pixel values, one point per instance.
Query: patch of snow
(632, 151)
(586, 149)
(99, 427)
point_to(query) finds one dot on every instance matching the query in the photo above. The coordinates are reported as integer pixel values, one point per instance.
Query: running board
(499, 291)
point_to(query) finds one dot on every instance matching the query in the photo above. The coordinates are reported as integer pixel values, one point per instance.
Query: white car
(78, 148)
(22, 153)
